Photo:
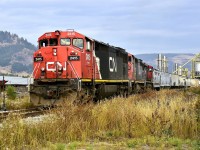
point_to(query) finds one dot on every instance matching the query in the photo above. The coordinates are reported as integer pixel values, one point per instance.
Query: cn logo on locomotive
(55, 65)
(112, 64)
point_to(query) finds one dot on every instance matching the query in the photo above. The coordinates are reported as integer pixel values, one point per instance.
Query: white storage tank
(197, 68)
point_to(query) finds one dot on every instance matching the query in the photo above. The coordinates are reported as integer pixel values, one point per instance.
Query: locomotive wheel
(83, 97)
(125, 94)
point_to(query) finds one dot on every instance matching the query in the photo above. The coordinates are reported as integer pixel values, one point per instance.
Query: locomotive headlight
(54, 51)
(42, 69)
(42, 72)
(73, 53)
(39, 54)
(60, 69)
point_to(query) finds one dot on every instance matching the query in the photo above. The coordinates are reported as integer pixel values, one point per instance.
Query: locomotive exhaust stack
(162, 63)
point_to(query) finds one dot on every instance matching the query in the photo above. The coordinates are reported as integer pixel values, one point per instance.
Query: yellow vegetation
(168, 115)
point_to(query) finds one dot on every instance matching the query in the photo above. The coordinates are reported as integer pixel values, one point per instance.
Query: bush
(11, 94)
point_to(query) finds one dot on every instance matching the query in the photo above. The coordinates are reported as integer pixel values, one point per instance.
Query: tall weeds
(160, 114)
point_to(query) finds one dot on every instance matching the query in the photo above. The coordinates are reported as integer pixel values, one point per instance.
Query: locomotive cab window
(78, 43)
(53, 42)
(129, 58)
(43, 43)
(65, 42)
(88, 45)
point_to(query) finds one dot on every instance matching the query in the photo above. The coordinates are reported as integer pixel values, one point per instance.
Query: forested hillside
(16, 53)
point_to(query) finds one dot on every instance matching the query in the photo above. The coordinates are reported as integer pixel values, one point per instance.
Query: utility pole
(4, 102)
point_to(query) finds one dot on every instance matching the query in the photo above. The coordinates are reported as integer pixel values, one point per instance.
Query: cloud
(144, 25)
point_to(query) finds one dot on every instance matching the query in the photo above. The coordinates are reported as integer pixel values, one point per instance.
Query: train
(69, 62)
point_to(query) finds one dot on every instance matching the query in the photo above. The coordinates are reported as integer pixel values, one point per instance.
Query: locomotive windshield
(53, 42)
(48, 42)
(78, 43)
(43, 43)
(65, 42)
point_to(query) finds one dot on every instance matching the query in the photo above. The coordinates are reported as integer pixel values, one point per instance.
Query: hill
(16, 54)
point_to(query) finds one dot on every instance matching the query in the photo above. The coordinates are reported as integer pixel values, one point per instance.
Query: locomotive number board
(73, 58)
(36, 59)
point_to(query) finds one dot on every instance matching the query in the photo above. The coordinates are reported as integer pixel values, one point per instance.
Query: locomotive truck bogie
(50, 93)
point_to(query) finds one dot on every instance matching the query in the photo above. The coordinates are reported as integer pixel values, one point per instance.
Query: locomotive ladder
(75, 73)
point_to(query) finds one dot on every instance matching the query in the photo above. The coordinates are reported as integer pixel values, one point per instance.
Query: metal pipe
(159, 67)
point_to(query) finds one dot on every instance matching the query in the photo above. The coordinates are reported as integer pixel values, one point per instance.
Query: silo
(176, 68)
(180, 71)
(197, 68)
(159, 67)
(165, 66)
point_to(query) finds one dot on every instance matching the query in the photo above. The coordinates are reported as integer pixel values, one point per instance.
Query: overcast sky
(139, 26)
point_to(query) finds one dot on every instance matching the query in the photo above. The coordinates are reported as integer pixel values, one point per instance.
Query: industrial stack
(162, 63)
(195, 72)
(179, 70)
(196, 67)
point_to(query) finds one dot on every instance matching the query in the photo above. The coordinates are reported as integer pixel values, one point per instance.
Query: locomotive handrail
(73, 69)
(37, 68)
(29, 81)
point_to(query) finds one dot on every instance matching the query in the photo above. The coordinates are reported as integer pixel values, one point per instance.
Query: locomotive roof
(53, 33)
(106, 44)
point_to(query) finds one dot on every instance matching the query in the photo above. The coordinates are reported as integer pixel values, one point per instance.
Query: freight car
(69, 62)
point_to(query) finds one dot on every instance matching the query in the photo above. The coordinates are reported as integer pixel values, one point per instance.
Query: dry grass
(168, 115)
(18, 103)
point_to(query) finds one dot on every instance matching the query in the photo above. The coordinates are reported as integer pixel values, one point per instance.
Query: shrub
(11, 92)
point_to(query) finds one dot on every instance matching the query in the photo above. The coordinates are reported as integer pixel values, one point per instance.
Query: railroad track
(24, 113)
